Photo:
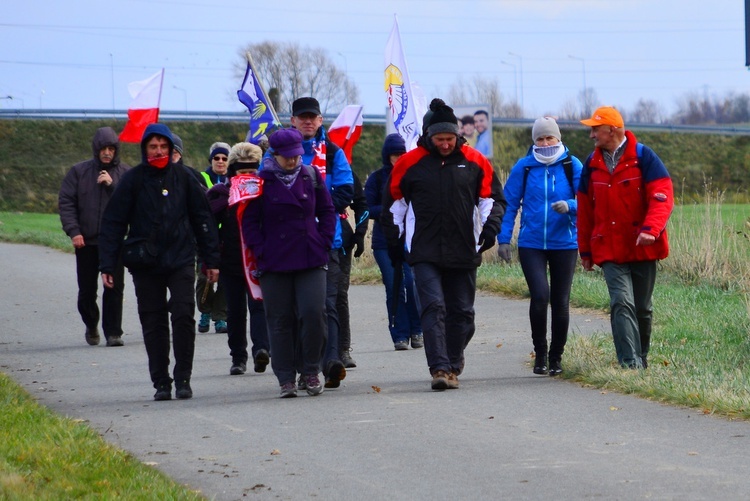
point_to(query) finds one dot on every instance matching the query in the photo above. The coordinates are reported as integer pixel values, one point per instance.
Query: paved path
(506, 434)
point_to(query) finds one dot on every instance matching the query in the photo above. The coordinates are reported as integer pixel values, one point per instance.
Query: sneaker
(334, 374)
(260, 361)
(452, 381)
(163, 392)
(417, 341)
(540, 364)
(313, 386)
(205, 322)
(555, 369)
(220, 326)
(401, 345)
(439, 380)
(288, 390)
(301, 383)
(347, 360)
(92, 336)
(115, 341)
(183, 390)
(237, 369)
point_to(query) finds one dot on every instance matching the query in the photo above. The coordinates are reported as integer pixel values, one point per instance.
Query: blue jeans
(446, 299)
(554, 292)
(407, 315)
(631, 286)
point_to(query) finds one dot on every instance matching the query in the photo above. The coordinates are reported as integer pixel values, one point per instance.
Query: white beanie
(545, 126)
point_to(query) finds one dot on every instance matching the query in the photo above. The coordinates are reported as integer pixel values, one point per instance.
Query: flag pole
(262, 89)
(158, 103)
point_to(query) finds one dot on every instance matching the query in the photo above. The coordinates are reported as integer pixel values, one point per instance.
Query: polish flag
(144, 109)
(346, 129)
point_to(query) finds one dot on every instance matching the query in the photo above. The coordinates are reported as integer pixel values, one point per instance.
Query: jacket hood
(106, 136)
(156, 129)
(393, 144)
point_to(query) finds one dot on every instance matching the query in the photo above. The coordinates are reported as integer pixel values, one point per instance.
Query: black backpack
(567, 166)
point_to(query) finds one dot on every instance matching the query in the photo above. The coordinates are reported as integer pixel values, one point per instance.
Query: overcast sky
(81, 54)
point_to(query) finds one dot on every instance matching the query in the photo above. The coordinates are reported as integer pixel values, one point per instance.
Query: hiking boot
(540, 364)
(205, 322)
(334, 374)
(313, 386)
(163, 391)
(115, 341)
(401, 345)
(440, 380)
(237, 369)
(301, 383)
(452, 381)
(183, 390)
(260, 361)
(220, 326)
(555, 369)
(92, 336)
(644, 361)
(288, 390)
(417, 341)
(347, 360)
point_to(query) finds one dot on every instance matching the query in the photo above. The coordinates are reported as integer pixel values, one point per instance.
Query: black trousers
(554, 292)
(154, 310)
(342, 300)
(87, 271)
(239, 303)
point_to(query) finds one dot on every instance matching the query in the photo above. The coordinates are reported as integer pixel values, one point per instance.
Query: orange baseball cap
(606, 115)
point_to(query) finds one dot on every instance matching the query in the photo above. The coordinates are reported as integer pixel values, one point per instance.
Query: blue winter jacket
(541, 226)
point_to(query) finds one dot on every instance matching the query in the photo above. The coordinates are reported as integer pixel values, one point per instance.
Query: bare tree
(295, 71)
(647, 111)
(479, 90)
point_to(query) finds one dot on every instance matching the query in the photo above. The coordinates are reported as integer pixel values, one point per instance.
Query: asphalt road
(505, 434)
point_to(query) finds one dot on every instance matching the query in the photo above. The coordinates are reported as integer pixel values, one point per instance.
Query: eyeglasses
(220, 159)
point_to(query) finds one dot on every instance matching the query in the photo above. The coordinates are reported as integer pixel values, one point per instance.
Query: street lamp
(515, 78)
(520, 65)
(346, 73)
(184, 94)
(586, 111)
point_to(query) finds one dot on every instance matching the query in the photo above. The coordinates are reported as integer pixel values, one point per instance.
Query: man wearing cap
(85, 192)
(625, 199)
(212, 303)
(166, 217)
(177, 155)
(331, 161)
(445, 204)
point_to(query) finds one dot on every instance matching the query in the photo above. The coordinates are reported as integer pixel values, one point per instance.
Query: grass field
(700, 354)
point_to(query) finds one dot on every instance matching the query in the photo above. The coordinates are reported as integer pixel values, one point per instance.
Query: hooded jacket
(81, 201)
(170, 198)
(376, 185)
(541, 227)
(440, 205)
(615, 207)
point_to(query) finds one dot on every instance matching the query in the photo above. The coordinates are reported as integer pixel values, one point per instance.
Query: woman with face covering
(543, 185)
(290, 228)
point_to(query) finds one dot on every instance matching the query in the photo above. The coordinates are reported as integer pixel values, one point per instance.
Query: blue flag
(262, 115)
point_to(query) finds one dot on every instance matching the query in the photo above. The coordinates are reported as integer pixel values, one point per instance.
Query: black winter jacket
(81, 201)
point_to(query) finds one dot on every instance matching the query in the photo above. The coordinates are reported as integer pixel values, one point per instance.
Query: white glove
(561, 206)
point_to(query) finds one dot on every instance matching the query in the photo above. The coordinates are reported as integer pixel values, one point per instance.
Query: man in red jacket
(625, 199)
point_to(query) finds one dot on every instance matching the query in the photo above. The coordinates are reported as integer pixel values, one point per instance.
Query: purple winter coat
(290, 229)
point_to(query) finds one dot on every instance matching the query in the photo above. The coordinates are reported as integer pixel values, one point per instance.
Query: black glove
(359, 244)
(503, 250)
(486, 240)
(396, 253)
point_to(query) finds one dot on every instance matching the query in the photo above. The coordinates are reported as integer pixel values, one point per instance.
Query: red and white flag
(346, 129)
(144, 109)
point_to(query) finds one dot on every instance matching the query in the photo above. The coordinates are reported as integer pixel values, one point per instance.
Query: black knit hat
(443, 120)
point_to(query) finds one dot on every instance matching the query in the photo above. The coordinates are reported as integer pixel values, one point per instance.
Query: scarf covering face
(285, 176)
(548, 155)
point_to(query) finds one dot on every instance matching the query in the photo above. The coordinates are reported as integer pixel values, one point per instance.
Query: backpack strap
(567, 166)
